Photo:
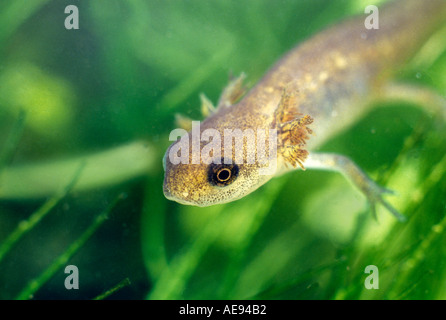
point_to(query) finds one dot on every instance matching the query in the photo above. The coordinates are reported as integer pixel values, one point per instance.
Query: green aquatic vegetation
(125, 73)
(119, 286)
(6, 153)
(36, 217)
(25, 226)
(62, 260)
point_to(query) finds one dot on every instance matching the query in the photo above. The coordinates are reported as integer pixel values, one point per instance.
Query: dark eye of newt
(222, 174)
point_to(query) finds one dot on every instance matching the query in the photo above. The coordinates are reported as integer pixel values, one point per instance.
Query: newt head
(233, 164)
(212, 177)
(236, 149)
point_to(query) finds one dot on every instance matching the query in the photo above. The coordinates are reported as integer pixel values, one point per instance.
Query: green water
(85, 116)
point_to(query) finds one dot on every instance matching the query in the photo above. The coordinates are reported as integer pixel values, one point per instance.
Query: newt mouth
(169, 195)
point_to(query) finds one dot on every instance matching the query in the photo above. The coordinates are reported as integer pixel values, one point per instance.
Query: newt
(315, 91)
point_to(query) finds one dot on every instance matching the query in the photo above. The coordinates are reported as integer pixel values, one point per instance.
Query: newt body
(321, 86)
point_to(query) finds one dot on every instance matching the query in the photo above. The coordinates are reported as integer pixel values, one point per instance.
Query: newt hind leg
(425, 98)
(353, 173)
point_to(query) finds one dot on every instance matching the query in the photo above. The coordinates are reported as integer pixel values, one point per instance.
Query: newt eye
(222, 174)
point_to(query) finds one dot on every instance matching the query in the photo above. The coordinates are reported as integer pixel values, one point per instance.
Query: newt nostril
(167, 192)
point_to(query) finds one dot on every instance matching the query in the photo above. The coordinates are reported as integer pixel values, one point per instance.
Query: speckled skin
(333, 77)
